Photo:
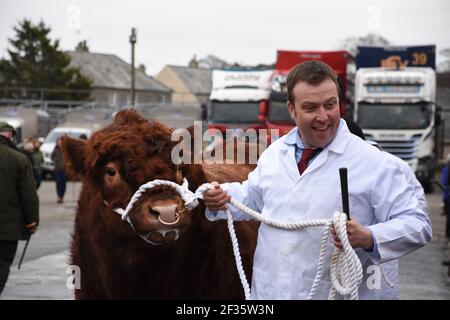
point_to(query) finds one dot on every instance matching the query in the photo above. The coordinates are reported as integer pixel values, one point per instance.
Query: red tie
(307, 154)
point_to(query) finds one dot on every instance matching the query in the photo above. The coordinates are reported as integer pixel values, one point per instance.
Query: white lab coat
(285, 262)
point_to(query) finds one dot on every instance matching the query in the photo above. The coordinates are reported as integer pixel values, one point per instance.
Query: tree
(351, 43)
(37, 66)
(82, 46)
(212, 62)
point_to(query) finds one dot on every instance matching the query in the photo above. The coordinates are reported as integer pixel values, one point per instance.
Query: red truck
(274, 111)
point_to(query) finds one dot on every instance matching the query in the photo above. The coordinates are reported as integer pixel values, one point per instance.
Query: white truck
(237, 98)
(73, 130)
(28, 122)
(396, 108)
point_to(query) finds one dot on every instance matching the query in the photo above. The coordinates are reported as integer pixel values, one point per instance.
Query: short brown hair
(311, 72)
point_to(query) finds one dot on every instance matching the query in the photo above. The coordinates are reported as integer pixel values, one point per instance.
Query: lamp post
(132, 41)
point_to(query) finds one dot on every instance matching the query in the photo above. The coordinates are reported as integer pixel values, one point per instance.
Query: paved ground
(43, 274)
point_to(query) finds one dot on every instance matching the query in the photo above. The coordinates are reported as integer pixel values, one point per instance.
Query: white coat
(380, 197)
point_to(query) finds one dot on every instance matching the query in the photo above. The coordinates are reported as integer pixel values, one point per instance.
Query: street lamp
(132, 41)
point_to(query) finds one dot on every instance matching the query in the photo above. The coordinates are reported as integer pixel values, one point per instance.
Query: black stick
(24, 250)
(344, 191)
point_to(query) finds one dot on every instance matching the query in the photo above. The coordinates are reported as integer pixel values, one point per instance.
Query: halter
(189, 198)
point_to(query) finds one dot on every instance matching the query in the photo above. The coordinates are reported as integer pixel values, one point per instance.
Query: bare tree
(351, 44)
(212, 62)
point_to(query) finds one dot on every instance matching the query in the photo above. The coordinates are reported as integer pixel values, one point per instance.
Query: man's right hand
(32, 227)
(216, 199)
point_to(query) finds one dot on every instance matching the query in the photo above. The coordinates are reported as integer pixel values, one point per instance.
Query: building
(190, 85)
(112, 80)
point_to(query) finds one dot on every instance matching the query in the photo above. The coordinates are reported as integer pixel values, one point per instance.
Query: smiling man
(297, 179)
(316, 109)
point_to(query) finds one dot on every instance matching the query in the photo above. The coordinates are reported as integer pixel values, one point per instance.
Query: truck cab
(237, 98)
(396, 108)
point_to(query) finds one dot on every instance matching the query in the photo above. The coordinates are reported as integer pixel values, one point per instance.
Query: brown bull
(188, 258)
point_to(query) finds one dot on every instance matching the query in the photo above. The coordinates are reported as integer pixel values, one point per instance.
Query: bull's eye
(111, 172)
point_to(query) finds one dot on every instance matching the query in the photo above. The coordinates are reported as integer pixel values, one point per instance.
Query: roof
(196, 80)
(109, 71)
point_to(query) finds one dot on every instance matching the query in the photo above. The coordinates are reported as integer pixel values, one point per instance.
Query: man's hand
(216, 199)
(358, 236)
(32, 227)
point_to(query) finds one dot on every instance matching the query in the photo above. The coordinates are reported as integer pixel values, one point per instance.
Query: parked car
(74, 131)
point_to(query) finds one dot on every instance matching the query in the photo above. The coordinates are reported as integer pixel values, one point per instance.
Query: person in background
(19, 203)
(30, 148)
(59, 173)
(445, 181)
(38, 160)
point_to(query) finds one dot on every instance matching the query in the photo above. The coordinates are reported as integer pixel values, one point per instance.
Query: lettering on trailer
(242, 77)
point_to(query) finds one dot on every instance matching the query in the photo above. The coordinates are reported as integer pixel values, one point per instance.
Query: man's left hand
(32, 227)
(358, 236)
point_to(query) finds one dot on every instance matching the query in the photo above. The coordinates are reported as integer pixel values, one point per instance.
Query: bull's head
(117, 160)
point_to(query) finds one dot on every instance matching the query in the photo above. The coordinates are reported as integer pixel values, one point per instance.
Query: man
(387, 219)
(445, 181)
(59, 172)
(390, 268)
(19, 205)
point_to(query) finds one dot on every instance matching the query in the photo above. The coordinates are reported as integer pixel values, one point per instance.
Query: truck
(28, 122)
(395, 104)
(237, 98)
(274, 112)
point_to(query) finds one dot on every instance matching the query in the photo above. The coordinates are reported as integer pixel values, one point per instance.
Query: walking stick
(24, 250)
(344, 191)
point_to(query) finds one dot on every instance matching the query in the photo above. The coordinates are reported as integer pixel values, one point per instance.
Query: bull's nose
(167, 215)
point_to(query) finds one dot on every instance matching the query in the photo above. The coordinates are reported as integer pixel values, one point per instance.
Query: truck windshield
(278, 112)
(234, 112)
(394, 116)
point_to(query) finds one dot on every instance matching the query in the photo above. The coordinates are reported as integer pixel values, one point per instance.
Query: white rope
(345, 271)
(190, 199)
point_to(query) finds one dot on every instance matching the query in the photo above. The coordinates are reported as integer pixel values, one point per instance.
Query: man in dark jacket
(19, 204)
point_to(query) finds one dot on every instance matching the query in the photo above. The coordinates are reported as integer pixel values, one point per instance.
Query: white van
(50, 142)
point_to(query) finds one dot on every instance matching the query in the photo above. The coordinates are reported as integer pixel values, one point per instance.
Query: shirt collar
(293, 139)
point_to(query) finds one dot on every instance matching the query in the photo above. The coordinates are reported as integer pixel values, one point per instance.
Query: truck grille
(404, 149)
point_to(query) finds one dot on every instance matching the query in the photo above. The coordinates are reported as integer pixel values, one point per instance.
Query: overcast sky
(244, 31)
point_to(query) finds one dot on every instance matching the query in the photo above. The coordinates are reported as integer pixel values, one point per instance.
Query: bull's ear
(74, 156)
(128, 117)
